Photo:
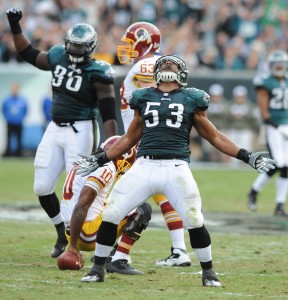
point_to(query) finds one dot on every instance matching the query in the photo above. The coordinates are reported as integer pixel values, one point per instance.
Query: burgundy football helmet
(141, 38)
(123, 162)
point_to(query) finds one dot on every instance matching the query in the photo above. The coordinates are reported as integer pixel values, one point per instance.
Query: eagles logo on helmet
(278, 63)
(140, 39)
(161, 75)
(123, 162)
(80, 42)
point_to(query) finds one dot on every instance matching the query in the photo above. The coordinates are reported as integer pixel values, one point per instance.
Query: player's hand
(89, 163)
(258, 161)
(14, 15)
(283, 131)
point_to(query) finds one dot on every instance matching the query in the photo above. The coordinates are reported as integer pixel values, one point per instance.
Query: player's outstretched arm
(90, 163)
(31, 55)
(257, 160)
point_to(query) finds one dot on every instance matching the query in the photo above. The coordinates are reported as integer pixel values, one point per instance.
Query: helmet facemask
(80, 43)
(169, 75)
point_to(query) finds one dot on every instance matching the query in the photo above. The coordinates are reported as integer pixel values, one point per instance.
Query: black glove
(14, 15)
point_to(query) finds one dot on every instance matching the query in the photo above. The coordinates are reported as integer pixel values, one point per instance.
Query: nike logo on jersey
(178, 165)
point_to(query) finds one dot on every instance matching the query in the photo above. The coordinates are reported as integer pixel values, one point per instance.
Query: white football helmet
(161, 75)
(80, 42)
(278, 63)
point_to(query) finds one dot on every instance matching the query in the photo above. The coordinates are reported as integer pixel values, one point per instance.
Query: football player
(81, 207)
(141, 42)
(272, 97)
(163, 119)
(81, 88)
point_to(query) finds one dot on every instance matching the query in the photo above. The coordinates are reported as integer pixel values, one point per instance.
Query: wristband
(102, 159)
(243, 155)
(15, 28)
(270, 122)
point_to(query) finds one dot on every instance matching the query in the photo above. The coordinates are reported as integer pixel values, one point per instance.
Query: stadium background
(224, 42)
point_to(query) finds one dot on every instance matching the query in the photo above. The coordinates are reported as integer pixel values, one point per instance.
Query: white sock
(281, 189)
(204, 254)
(260, 182)
(177, 237)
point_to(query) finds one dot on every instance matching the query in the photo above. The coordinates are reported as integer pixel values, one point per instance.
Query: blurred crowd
(212, 34)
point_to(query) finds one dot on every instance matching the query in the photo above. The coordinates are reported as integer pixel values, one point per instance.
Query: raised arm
(31, 55)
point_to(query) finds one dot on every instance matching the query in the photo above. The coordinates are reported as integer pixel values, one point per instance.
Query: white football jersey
(100, 180)
(143, 69)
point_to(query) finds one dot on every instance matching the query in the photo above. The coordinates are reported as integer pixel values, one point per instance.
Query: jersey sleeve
(98, 179)
(102, 71)
(259, 81)
(55, 54)
(200, 98)
(134, 100)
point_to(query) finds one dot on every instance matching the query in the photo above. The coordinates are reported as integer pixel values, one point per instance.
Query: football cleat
(251, 201)
(97, 274)
(121, 266)
(178, 257)
(210, 279)
(58, 249)
(280, 211)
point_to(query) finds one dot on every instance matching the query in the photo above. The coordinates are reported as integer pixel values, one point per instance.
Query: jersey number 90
(74, 79)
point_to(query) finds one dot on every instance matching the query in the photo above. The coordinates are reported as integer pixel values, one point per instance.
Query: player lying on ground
(81, 207)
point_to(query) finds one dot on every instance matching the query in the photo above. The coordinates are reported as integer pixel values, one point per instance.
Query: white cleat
(178, 258)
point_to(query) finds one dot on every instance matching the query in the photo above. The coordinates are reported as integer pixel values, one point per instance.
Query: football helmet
(167, 74)
(80, 42)
(278, 62)
(123, 162)
(140, 39)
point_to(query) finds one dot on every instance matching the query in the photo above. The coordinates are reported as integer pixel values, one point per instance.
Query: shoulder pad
(199, 96)
(101, 70)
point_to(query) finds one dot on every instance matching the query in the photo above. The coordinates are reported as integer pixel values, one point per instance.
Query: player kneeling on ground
(81, 207)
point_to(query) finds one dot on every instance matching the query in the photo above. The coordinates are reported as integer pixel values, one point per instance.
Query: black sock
(50, 204)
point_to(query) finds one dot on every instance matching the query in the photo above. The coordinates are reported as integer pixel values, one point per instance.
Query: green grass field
(250, 266)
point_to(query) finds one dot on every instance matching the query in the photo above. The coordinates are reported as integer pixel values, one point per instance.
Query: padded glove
(90, 163)
(14, 15)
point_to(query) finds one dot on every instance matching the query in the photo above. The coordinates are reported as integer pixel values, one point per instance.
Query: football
(70, 261)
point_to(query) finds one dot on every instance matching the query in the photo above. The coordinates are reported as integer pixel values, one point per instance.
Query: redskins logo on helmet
(123, 162)
(140, 39)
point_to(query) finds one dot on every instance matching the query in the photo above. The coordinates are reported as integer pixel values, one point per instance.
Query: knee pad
(138, 221)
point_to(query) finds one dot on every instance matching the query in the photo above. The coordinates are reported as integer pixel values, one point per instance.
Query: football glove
(14, 15)
(90, 163)
(283, 131)
(258, 161)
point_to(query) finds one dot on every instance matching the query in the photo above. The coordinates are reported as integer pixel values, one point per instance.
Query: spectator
(218, 113)
(242, 121)
(14, 111)
(46, 106)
